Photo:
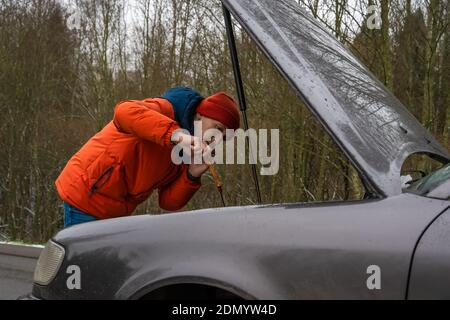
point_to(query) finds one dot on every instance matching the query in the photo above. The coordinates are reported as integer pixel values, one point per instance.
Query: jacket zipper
(104, 174)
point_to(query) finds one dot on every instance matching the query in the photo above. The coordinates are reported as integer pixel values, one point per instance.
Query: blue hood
(184, 101)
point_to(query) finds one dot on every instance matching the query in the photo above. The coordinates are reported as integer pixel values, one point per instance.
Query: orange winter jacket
(120, 166)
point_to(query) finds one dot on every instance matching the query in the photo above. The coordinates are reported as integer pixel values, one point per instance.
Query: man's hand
(197, 149)
(188, 142)
(179, 137)
(197, 170)
(198, 166)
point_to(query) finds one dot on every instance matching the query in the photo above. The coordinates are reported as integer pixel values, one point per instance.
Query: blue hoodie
(184, 101)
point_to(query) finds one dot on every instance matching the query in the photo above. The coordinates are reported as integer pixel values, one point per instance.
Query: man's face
(208, 123)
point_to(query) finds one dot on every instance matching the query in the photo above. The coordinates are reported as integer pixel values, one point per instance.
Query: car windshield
(430, 182)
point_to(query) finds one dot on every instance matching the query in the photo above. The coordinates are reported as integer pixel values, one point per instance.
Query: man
(124, 163)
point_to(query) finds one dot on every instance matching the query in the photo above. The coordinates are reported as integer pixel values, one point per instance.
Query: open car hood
(368, 123)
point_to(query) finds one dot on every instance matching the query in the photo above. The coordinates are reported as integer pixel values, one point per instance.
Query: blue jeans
(73, 216)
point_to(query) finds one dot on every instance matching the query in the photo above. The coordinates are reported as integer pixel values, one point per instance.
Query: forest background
(65, 64)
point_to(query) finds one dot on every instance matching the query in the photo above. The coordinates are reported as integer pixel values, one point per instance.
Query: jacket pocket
(101, 181)
(106, 177)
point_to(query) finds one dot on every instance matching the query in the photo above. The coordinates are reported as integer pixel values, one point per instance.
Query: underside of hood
(368, 123)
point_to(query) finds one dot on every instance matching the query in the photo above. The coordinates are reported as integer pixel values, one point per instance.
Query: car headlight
(48, 264)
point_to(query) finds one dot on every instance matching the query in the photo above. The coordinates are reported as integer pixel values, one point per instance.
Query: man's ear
(197, 117)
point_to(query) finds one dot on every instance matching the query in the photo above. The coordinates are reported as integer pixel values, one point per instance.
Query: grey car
(393, 244)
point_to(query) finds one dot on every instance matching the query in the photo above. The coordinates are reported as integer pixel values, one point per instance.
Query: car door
(430, 272)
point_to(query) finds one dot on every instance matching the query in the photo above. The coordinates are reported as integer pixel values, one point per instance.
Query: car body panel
(365, 119)
(297, 251)
(431, 265)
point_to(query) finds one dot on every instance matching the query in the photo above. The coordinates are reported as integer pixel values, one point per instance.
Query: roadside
(17, 263)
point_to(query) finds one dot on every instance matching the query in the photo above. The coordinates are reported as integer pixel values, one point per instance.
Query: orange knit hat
(222, 108)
